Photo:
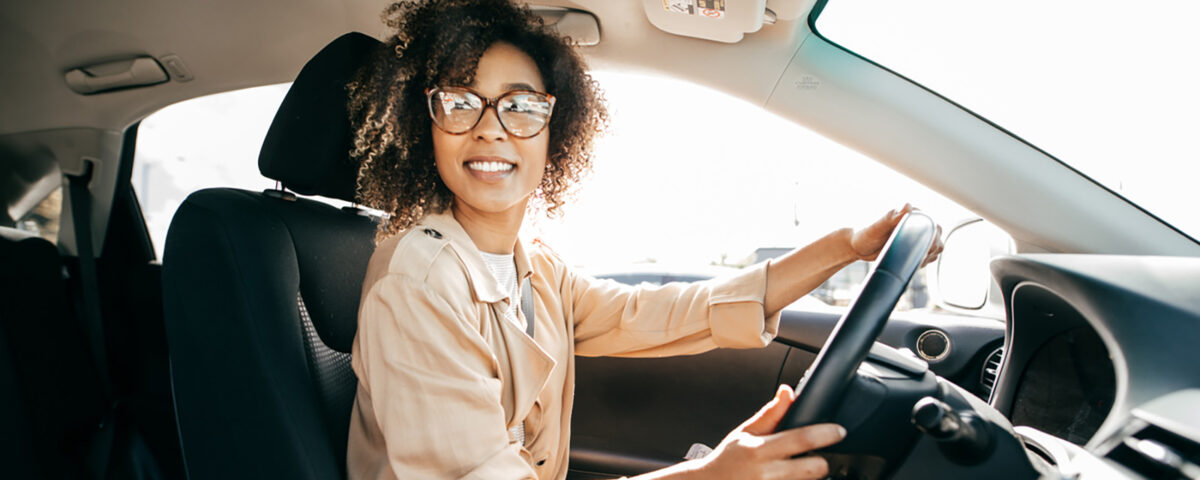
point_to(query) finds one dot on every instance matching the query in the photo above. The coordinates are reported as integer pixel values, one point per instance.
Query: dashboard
(1068, 386)
(1101, 370)
(1097, 364)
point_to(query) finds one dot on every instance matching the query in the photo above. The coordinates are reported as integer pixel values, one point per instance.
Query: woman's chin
(492, 206)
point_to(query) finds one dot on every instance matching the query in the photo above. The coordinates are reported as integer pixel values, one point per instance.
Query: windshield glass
(1109, 88)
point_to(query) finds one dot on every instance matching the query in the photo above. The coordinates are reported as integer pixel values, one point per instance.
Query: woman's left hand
(867, 242)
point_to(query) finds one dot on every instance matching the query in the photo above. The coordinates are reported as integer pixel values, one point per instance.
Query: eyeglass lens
(522, 114)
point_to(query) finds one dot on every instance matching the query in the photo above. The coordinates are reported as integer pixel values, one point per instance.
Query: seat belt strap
(527, 306)
(100, 450)
(526, 309)
(81, 216)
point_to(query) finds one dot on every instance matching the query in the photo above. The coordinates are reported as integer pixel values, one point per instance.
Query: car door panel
(970, 338)
(633, 415)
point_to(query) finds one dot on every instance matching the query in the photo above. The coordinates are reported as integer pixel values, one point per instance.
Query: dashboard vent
(991, 370)
(1157, 453)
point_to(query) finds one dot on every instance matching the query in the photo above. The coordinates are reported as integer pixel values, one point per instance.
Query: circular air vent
(933, 345)
(991, 371)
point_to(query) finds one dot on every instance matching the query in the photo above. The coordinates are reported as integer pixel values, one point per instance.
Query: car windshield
(1107, 87)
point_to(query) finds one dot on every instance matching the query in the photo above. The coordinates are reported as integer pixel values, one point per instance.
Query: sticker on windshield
(703, 8)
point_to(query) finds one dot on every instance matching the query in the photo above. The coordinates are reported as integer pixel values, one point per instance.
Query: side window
(677, 181)
(42, 220)
(690, 176)
(211, 141)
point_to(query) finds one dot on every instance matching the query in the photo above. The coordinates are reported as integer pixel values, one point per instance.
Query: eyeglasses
(522, 113)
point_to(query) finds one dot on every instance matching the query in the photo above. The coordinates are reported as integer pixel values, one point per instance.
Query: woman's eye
(526, 105)
(468, 103)
(460, 102)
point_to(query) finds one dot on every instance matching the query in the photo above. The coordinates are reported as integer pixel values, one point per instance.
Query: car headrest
(308, 145)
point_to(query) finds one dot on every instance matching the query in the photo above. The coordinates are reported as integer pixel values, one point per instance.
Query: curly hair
(439, 42)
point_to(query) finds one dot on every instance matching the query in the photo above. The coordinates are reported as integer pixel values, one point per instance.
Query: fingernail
(841, 431)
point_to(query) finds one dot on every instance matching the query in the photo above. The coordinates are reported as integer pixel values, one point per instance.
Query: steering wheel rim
(818, 393)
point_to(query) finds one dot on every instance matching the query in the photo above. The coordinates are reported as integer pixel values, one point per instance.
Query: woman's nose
(489, 127)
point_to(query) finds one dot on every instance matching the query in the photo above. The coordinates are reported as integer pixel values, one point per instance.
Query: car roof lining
(267, 42)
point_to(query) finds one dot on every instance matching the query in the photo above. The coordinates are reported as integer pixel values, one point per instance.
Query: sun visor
(721, 20)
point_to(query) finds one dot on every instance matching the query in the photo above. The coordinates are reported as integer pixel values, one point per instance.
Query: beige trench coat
(443, 377)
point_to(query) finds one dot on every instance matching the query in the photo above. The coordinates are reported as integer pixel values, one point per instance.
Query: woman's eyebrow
(518, 86)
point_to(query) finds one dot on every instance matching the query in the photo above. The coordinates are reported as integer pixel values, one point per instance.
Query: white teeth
(490, 166)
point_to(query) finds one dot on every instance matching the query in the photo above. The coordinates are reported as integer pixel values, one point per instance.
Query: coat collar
(484, 286)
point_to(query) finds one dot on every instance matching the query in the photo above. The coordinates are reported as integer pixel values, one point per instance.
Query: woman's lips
(490, 168)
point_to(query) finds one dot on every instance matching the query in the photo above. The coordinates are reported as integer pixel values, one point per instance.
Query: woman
(472, 116)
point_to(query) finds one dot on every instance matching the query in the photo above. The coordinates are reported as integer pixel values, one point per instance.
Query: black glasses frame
(492, 103)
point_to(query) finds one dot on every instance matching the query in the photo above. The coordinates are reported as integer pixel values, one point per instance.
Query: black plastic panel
(1146, 310)
(634, 415)
(972, 338)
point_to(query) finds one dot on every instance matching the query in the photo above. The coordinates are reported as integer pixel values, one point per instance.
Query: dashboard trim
(1146, 310)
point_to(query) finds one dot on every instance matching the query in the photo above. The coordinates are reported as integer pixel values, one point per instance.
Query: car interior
(228, 357)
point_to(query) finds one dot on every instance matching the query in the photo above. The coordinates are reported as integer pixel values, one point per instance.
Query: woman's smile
(490, 169)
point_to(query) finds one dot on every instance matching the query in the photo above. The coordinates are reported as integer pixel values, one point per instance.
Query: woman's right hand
(754, 450)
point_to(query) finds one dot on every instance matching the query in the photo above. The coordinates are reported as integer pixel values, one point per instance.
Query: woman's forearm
(800, 271)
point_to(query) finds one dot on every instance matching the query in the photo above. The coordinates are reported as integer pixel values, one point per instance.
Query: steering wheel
(819, 393)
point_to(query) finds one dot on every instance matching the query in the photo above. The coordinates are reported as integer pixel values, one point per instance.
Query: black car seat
(261, 291)
(49, 388)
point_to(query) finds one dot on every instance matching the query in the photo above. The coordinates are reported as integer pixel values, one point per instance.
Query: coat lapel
(527, 364)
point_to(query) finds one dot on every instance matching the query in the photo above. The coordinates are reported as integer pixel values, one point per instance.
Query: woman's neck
(492, 232)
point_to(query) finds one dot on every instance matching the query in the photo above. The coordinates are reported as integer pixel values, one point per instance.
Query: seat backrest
(47, 380)
(261, 290)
